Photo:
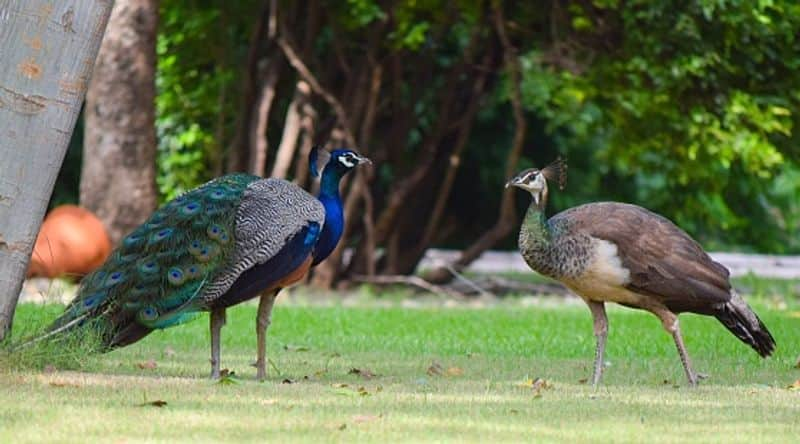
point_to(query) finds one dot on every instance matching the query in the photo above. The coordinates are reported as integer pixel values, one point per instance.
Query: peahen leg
(217, 320)
(670, 322)
(601, 333)
(262, 323)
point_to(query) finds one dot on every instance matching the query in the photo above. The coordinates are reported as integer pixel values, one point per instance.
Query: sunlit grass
(476, 393)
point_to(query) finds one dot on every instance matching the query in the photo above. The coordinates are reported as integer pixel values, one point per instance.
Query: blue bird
(227, 241)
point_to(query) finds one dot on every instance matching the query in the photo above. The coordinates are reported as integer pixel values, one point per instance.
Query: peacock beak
(362, 160)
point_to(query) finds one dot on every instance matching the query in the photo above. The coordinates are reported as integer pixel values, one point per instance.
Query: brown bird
(616, 252)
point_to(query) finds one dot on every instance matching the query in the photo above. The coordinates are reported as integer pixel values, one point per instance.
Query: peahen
(227, 241)
(615, 252)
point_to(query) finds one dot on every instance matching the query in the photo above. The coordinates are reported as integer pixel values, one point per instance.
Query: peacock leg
(601, 333)
(262, 323)
(217, 320)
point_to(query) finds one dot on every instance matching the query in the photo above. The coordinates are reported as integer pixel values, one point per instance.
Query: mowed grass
(476, 392)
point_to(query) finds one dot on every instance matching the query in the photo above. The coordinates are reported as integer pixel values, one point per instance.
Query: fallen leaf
(795, 385)
(666, 382)
(339, 385)
(268, 401)
(288, 381)
(366, 418)
(454, 371)
(296, 348)
(583, 380)
(227, 377)
(797, 364)
(342, 427)
(435, 369)
(513, 411)
(536, 385)
(364, 373)
(60, 384)
(363, 391)
(147, 365)
(156, 403)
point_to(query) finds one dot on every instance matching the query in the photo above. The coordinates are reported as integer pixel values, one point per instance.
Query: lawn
(422, 374)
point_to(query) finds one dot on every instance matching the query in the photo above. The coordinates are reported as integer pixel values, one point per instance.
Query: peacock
(233, 238)
(616, 252)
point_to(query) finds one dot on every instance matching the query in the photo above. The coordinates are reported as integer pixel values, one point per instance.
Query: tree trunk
(48, 55)
(507, 213)
(257, 158)
(118, 176)
(291, 130)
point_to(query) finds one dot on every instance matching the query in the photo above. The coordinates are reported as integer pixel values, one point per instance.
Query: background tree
(118, 180)
(687, 109)
(48, 55)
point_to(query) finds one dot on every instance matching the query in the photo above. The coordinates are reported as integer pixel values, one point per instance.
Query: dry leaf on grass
(366, 418)
(147, 365)
(156, 403)
(296, 348)
(288, 381)
(435, 369)
(454, 371)
(60, 384)
(536, 385)
(797, 364)
(342, 427)
(363, 372)
(794, 386)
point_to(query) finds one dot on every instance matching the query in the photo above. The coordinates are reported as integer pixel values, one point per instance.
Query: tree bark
(48, 56)
(257, 157)
(291, 130)
(507, 213)
(118, 176)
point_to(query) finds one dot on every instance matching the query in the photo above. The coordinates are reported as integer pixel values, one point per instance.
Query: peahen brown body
(615, 252)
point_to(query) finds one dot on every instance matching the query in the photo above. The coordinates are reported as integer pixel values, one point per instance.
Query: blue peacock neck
(334, 216)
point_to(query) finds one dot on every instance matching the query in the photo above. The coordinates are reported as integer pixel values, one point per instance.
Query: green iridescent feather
(157, 273)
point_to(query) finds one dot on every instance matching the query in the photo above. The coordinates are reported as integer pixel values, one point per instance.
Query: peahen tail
(743, 322)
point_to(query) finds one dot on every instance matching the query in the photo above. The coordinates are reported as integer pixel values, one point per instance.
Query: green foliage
(197, 77)
(691, 108)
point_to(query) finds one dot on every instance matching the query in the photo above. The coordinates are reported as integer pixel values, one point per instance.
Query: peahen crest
(159, 270)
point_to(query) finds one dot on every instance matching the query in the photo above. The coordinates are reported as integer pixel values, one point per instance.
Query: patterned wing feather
(158, 271)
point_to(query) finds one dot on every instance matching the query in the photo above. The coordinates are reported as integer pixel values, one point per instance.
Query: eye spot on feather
(191, 209)
(114, 278)
(132, 240)
(161, 235)
(92, 300)
(193, 271)
(206, 253)
(175, 276)
(149, 267)
(148, 314)
(195, 247)
(216, 194)
(217, 233)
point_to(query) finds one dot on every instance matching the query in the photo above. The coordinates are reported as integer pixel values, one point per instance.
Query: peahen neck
(535, 226)
(334, 216)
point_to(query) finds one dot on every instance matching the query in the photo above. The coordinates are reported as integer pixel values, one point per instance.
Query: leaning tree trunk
(118, 176)
(48, 52)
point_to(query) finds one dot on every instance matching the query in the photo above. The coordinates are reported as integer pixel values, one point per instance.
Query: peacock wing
(159, 272)
(663, 260)
(277, 225)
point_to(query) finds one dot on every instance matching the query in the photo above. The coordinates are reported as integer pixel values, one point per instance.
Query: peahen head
(534, 180)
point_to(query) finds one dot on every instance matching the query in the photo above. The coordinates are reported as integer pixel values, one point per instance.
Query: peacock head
(340, 161)
(534, 180)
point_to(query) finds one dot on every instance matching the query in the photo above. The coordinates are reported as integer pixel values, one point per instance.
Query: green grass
(484, 353)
